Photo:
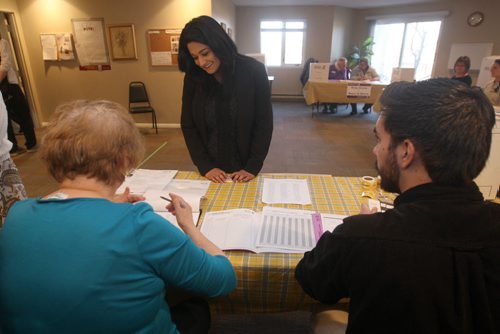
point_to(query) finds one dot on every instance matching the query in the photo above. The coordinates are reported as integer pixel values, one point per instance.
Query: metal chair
(138, 101)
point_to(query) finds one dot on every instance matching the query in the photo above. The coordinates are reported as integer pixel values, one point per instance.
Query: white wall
(319, 21)
(225, 11)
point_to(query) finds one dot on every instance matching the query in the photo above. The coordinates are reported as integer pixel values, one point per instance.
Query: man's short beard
(389, 174)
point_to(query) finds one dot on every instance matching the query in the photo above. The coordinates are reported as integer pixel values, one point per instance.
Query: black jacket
(430, 265)
(251, 106)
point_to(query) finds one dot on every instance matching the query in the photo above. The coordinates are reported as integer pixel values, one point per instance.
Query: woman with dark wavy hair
(461, 70)
(227, 118)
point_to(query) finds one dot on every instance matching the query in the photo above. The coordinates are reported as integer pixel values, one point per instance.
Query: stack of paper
(155, 183)
(277, 230)
(286, 191)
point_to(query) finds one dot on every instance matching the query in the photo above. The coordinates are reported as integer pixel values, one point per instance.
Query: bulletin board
(164, 46)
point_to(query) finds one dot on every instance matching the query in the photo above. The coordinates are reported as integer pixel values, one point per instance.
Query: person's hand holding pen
(183, 212)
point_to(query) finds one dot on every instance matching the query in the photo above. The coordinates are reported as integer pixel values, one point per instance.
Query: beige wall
(225, 11)
(341, 36)
(453, 30)
(319, 20)
(56, 82)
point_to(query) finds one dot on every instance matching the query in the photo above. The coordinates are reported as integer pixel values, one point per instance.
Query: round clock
(475, 19)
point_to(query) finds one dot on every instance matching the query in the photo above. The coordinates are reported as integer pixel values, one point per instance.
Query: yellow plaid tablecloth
(266, 282)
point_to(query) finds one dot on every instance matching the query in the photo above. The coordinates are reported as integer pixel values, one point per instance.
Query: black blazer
(254, 117)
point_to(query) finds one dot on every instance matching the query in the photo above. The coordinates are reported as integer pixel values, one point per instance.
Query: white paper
(359, 90)
(286, 191)
(288, 229)
(330, 221)
(319, 71)
(190, 190)
(171, 218)
(159, 58)
(142, 180)
(49, 46)
(231, 229)
(276, 230)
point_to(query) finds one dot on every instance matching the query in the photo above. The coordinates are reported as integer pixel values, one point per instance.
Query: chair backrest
(137, 92)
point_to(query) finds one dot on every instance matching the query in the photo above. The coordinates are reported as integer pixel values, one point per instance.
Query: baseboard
(287, 98)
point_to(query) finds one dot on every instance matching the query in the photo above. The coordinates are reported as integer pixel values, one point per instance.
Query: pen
(169, 200)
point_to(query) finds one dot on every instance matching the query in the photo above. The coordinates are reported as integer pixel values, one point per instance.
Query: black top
(430, 265)
(243, 124)
(466, 79)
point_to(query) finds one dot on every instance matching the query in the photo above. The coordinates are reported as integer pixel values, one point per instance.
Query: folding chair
(138, 101)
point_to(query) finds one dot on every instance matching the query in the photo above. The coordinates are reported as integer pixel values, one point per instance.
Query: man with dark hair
(431, 264)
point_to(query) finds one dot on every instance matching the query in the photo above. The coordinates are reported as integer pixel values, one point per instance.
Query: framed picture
(122, 41)
(90, 41)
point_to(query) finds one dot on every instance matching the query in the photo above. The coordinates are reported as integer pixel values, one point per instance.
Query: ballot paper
(141, 180)
(274, 230)
(192, 191)
(286, 191)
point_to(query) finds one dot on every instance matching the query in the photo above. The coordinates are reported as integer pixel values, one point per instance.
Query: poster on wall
(90, 41)
(57, 46)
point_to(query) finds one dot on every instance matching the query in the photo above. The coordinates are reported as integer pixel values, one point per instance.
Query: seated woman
(82, 259)
(492, 87)
(363, 72)
(461, 69)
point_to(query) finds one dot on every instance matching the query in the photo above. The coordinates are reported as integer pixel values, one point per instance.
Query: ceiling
(342, 3)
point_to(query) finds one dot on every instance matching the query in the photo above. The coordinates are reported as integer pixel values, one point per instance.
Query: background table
(266, 281)
(336, 92)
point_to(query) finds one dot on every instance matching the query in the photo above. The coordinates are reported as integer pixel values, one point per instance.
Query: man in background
(17, 106)
(337, 71)
(431, 264)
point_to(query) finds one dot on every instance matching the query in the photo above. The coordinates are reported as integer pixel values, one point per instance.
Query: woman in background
(76, 261)
(461, 69)
(227, 118)
(492, 87)
(363, 72)
(11, 186)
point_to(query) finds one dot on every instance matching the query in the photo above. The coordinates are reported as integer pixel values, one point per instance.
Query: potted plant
(365, 50)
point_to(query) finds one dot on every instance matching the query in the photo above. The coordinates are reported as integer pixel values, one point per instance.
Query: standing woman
(227, 118)
(461, 69)
(492, 87)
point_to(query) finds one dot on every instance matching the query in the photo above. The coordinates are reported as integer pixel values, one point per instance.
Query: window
(407, 45)
(282, 42)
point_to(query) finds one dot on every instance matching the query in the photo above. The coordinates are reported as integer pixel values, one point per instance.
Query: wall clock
(475, 19)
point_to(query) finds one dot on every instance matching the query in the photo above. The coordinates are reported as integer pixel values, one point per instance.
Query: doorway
(9, 32)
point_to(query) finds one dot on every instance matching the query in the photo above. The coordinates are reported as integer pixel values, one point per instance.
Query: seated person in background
(431, 264)
(76, 261)
(492, 87)
(461, 69)
(337, 71)
(363, 72)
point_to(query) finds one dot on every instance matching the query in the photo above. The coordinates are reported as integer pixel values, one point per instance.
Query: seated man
(431, 264)
(337, 71)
